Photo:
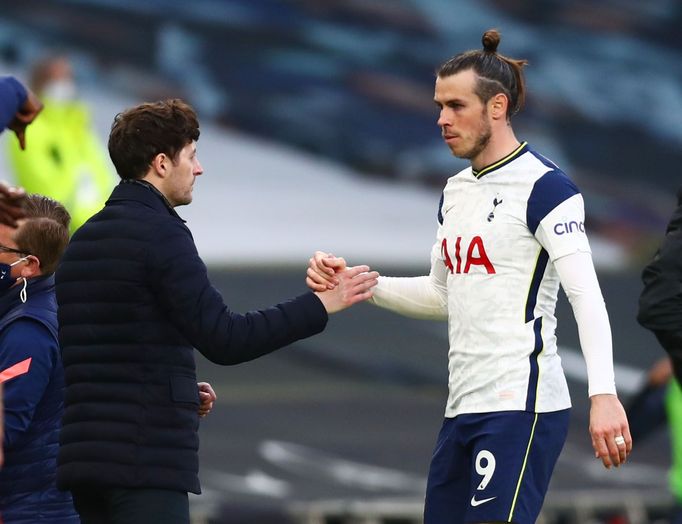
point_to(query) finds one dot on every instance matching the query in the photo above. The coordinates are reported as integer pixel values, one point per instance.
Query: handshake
(336, 285)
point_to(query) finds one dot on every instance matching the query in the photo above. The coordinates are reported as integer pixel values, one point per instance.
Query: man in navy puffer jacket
(31, 367)
(134, 301)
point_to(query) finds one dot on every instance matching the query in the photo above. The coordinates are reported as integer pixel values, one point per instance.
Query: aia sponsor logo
(565, 228)
(474, 255)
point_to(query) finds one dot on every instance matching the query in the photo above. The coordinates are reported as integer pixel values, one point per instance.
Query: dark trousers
(131, 506)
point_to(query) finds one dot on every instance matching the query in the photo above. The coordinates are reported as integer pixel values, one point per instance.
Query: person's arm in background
(12, 96)
(18, 107)
(25, 370)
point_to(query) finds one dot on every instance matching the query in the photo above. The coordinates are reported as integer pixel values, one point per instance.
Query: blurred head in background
(53, 78)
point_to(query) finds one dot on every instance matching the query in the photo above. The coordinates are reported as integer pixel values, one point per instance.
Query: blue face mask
(6, 280)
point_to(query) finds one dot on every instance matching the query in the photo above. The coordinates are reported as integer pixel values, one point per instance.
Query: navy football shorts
(493, 467)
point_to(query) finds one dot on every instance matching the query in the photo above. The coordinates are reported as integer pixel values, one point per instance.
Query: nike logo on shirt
(475, 502)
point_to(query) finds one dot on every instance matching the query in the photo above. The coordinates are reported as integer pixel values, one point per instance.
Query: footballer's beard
(482, 141)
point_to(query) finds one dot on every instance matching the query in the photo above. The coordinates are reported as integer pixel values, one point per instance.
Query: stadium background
(318, 132)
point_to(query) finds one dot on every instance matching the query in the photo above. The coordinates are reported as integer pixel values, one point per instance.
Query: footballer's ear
(498, 105)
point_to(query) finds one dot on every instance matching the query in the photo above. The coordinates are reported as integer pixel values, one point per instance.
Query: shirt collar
(523, 147)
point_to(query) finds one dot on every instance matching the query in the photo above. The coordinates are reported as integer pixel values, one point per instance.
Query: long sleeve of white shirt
(422, 297)
(579, 280)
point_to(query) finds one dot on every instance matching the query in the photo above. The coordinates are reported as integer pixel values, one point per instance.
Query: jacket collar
(144, 192)
(10, 298)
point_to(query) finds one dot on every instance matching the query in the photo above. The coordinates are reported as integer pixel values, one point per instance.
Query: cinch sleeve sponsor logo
(563, 228)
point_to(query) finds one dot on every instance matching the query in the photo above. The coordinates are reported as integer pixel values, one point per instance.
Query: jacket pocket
(184, 389)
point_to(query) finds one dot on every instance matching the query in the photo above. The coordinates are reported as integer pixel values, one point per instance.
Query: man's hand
(206, 398)
(12, 200)
(354, 285)
(322, 269)
(609, 429)
(26, 114)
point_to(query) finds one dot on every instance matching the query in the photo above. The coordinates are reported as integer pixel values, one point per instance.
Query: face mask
(60, 90)
(6, 280)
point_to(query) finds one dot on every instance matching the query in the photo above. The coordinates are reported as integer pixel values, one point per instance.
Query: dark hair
(142, 132)
(44, 232)
(496, 73)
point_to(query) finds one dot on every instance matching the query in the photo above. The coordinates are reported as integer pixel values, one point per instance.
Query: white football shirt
(493, 275)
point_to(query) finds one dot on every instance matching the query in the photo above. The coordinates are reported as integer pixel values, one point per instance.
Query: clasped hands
(336, 285)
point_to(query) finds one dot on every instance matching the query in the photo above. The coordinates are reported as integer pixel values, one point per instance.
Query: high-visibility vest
(64, 160)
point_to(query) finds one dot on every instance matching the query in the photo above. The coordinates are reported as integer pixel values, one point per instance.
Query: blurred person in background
(134, 302)
(31, 365)
(18, 108)
(510, 231)
(657, 403)
(67, 160)
(660, 303)
(660, 310)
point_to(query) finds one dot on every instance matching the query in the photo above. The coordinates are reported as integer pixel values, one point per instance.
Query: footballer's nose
(443, 119)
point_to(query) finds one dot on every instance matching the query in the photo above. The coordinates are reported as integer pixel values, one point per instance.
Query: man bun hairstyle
(144, 131)
(496, 73)
(490, 40)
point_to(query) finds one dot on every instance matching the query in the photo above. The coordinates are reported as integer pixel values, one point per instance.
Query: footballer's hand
(26, 114)
(206, 398)
(355, 285)
(12, 201)
(322, 269)
(609, 430)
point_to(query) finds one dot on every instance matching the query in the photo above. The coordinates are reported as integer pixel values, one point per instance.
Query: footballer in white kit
(511, 230)
(500, 231)
(493, 277)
